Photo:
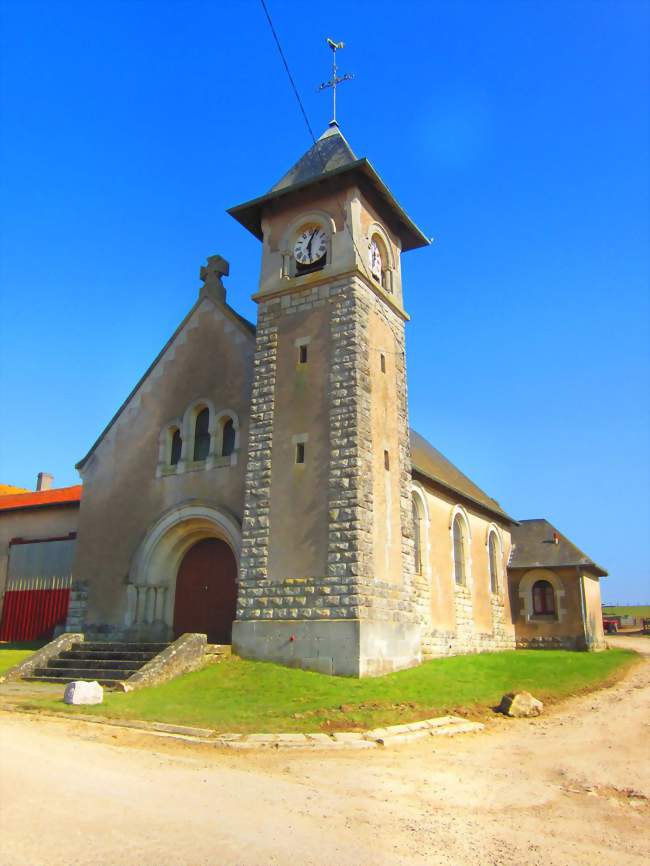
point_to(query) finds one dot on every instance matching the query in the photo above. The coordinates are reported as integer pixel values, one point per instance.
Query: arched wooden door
(206, 591)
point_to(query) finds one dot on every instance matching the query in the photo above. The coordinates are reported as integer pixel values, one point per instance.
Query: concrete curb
(390, 736)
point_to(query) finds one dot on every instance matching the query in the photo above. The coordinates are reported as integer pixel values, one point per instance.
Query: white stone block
(80, 692)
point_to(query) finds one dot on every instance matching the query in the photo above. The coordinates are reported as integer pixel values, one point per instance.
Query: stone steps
(109, 663)
(109, 684)
(71, 655)
(94, 664)
(106, 646)
(218, 650)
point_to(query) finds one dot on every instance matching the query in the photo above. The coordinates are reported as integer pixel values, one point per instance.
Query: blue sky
(515, 133)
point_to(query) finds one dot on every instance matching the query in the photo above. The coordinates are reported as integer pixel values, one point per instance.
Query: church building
(261, 483)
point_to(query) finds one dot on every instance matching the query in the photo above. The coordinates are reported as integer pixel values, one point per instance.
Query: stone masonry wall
(348, 590)
(255, 523)
(465, 638)
(76, 616)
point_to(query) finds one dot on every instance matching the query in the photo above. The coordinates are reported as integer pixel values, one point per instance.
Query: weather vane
(335, 79)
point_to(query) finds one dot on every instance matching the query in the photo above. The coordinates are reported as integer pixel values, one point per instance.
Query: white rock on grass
(520, 705)
(80, 692)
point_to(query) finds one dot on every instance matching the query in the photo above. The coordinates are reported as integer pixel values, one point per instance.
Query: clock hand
(310, 240)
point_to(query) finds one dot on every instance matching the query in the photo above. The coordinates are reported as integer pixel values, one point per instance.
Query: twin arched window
(217, 442)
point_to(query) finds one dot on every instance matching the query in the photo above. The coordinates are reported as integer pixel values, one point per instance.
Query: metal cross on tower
(335, 79)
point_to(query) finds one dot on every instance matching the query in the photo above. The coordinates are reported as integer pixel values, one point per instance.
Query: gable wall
(210, 358)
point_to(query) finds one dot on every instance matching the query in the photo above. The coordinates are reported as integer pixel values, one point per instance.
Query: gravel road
(569, 788)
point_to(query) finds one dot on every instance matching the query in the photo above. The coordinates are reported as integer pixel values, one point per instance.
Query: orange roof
(57, 496)
(9, 489)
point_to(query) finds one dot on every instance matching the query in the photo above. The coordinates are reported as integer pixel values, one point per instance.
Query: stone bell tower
(327, 576)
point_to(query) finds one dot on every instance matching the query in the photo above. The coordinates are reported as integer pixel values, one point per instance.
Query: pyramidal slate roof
(533, 546)
(428, 461)
(330, 152)
(331, 160)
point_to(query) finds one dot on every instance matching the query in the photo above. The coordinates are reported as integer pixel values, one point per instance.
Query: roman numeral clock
(310, 248)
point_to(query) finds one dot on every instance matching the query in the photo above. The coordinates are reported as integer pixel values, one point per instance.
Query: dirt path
(567, 789)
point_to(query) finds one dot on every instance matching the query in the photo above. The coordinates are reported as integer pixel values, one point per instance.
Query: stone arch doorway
(151, 587)
(206, 591)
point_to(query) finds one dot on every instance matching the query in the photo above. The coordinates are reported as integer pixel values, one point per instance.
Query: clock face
(374, 256)
(310, 246)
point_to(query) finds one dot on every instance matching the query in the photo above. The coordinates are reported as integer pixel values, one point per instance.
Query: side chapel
(261, 484)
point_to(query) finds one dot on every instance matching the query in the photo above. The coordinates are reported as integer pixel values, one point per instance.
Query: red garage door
(33, 607)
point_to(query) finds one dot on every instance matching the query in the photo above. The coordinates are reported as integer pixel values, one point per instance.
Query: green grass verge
(13, 653)
(627, 610)
(243, 696)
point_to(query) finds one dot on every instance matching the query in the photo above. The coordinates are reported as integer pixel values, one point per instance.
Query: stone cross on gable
(211, 274)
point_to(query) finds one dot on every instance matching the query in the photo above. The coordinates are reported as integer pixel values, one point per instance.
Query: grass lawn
(642, 610)
(236, 695)
(12, 653)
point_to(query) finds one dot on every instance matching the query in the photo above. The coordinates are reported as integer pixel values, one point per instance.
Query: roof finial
(335, 80)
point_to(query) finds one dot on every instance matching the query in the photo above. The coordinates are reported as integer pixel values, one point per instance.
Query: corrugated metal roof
(42, 498)
(428, 461)
(534, 547)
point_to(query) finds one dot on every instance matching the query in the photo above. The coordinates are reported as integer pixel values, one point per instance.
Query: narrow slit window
(202, 435)
(302, 354)
(176, 446)
(417, 535)
(300, 452)
(382, 362)
(493, 558)
(459, 550)
(228, 438)
(386, 460)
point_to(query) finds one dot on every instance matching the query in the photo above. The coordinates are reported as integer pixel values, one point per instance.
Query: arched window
(543, 599)
(459, 550)
(493, 559)
(227, 438)
(202, 435)
(175, 447)
(378, 260)
(417, 534)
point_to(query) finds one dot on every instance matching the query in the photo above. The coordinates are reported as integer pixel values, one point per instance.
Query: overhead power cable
(286, 66)
(311, 132)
